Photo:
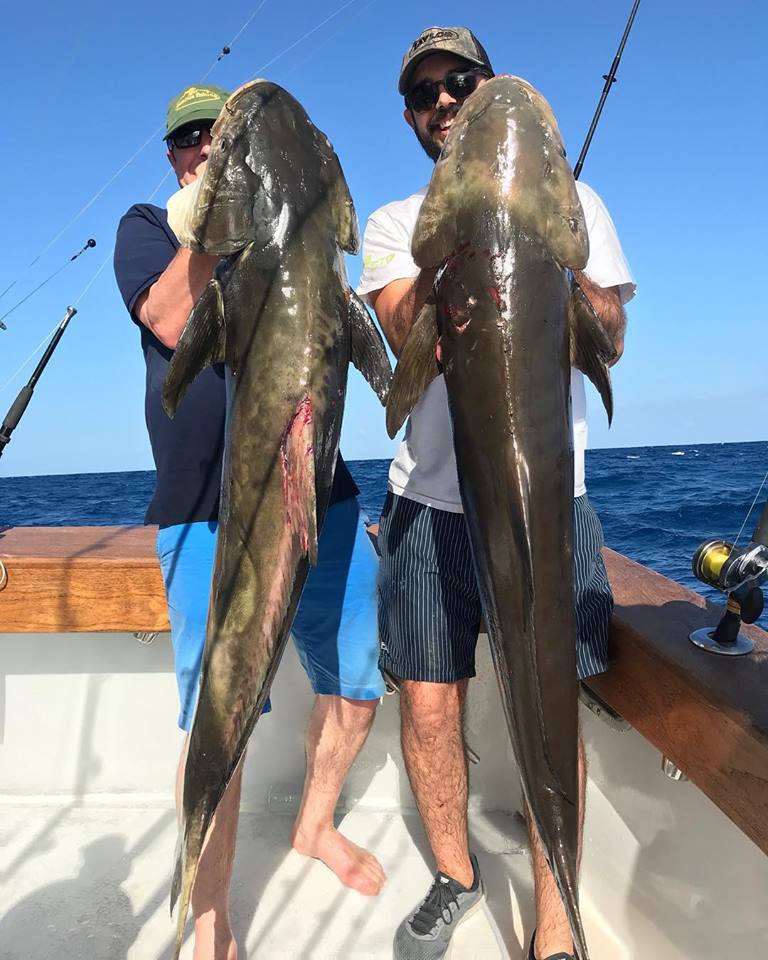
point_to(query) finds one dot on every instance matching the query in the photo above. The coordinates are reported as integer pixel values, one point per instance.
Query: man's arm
(606, 302)
(398, 304)
(165, 306)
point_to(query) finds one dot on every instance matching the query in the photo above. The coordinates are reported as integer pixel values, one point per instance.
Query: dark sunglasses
(189, 136)
(458, 84)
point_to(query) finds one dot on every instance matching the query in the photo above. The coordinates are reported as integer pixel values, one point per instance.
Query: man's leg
(337, 730)
(429, 617)
(435, 756)
(336, 638)
(553, 930)
(594, 605)
(186, 554)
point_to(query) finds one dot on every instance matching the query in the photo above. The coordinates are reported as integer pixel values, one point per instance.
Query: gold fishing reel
(709, 560)
(738, 573)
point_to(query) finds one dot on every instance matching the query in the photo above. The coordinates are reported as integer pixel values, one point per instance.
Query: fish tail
(577, 934)
(188, 849)
(181, 923)
(566, 875)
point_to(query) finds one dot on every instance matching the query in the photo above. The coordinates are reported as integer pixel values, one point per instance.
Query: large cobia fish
(503, 218)
(281, 316)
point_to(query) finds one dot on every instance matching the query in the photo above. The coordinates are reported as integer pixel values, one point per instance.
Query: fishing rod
(21, 402)
(736, 572)
(89, 245)
(610, 79)
(225, 51)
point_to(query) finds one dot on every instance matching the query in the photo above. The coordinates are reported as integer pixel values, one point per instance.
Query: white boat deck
(96, 882)
(92, 882)
(87, 831)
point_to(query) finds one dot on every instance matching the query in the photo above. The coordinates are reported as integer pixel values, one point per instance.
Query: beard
(428, 140)
(429, 146)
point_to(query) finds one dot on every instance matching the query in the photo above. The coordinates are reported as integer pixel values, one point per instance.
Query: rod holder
(671, 770)
(726, 638)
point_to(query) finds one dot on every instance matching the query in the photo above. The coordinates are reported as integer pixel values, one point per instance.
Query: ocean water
(657, 504)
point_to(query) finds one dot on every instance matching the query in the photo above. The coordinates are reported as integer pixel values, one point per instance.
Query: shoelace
(436, 904)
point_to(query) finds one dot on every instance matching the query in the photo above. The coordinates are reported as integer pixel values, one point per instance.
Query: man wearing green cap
(429, 605)
(335, 627)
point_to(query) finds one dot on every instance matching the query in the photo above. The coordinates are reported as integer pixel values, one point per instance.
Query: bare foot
(211, 942)
(353, 865)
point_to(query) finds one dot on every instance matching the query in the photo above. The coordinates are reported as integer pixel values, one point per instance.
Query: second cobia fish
(281, 316)
(503, 221)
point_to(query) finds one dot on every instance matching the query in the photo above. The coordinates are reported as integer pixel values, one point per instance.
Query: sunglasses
(458, 84)
(189, 136)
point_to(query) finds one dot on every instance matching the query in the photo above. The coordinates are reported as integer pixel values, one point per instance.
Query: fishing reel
(738, 573)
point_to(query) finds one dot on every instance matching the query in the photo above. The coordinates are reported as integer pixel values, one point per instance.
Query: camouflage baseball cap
(457, 40)
(194, 103)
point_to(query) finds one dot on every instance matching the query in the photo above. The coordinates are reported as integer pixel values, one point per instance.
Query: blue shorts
(335, 626)
(429, 604)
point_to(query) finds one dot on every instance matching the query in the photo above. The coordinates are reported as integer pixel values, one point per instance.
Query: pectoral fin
(368, 352)
(415, 370)
(200, 344)
(591, 347)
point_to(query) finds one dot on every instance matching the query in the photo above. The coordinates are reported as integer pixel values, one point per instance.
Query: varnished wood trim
(63, 579)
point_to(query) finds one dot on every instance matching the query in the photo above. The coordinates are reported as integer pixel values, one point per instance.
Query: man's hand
(606, 302)
(398, 304)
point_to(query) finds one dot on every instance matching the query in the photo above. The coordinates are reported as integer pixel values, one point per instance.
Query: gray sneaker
(426, 935)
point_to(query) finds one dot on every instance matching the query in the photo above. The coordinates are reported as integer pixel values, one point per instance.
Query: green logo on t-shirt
(371, 263)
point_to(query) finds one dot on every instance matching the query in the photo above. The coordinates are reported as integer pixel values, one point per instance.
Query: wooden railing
(708, 714)
(62, 579)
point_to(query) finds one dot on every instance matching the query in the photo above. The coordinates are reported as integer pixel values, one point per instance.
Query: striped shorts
(429, 605)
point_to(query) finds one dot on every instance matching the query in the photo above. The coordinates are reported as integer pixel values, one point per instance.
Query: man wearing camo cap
(429, 607)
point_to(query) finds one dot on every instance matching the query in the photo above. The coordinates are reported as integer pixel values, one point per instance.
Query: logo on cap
(433, 36)
(195, 94)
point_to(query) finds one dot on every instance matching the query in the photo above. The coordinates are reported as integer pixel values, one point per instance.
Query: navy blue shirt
(188, 449)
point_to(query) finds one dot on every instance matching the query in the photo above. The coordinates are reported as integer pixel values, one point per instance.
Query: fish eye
(224, 144)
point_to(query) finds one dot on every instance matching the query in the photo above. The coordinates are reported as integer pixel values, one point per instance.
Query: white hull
(88, 753)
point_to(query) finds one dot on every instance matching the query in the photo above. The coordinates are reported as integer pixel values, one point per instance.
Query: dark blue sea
(657, 504)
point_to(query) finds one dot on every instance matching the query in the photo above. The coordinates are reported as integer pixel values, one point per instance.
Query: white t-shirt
(424, 468)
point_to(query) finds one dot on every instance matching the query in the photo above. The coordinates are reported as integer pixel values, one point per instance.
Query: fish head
(503, 158)
(269, 167)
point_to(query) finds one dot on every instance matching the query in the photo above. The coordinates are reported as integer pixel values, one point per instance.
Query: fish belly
(502, 313)
(282, 437)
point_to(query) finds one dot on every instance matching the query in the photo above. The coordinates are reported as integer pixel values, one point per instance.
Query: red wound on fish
(298, 464)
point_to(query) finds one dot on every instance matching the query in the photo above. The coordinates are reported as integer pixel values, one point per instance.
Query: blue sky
(679, 158)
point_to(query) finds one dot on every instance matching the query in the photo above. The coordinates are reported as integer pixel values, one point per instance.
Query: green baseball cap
(194, 103)
(456, 40)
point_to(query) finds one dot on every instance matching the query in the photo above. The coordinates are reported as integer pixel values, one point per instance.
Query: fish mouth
(221, 221)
